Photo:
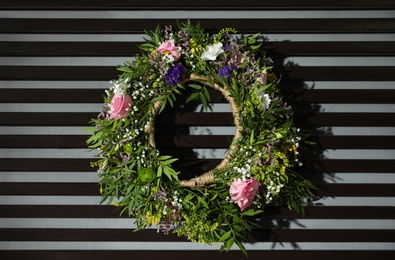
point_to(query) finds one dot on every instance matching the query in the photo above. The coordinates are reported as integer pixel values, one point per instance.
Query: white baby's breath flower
(212, 51)
(168, 58)
(120, 87)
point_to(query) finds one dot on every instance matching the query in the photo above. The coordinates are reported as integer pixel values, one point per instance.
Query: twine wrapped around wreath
(207, 177)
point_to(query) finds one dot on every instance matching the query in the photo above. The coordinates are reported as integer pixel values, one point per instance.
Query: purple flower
(165, 227)
(161, 195)
(224, 72)
(174, 74)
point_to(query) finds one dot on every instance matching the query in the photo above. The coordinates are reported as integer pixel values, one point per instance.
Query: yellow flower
(116, 204)
(152, 219)
(193, 43)
(195, 48)
(285, 160)
(222, 32)
(294, 149)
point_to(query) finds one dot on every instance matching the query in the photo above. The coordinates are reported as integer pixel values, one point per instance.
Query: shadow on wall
(310, 155)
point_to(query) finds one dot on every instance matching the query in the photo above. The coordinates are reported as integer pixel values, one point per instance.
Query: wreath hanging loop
(207, 177)
(257, 168)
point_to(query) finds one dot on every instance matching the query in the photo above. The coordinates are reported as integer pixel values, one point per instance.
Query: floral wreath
(218, 205)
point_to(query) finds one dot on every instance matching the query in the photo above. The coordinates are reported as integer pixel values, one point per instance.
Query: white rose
(212, 51)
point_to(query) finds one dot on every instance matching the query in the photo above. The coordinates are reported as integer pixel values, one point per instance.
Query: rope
(207, 177)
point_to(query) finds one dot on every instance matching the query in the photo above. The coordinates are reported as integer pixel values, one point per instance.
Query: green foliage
(136, 177)
(201, 92)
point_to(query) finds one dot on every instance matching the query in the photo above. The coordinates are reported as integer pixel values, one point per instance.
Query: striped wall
(337, 63)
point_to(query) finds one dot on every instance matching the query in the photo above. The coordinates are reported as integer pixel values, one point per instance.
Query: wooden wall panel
(337, 64)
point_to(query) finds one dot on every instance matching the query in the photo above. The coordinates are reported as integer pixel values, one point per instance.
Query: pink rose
(120, 106)
(244, 192)
(169, 47)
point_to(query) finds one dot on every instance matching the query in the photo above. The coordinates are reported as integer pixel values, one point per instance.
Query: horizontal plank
(65, 165)
(43, 141)
(58, 73)
(351, 166)
(201, 5)
(81, 165)
(343, 25)
(348, 96)
(308, 73)
(77, 189)
(365, 48)
(345, 119)
(114, 49)
(322, 165)
(355, 190)
(192, 141)
(151, 235)
(193, 255)
(304, 120)
(82, 119)
(92, 189)
(79, 141)
(52, 95)
(60, 49)
(341, 73)
(356, 142)
(271, 212)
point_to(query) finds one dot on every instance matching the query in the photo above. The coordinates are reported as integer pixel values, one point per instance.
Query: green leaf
(180, 86)
(254, 47)
(192, 97)
(206, 93)
(203, 99)
(163, 106)
(146, 46)
(159, 172)
(195, 86)
(225, 236)
(164, 157)
(259, 90)
(95, 136)
(93, 146)
(229, 243)
(242, 248)
(158, 98)
(170, 172)
(169, 161)
(170, 101)
(252, 137)
(201, 200)
(251, 212)
(189, 197)
(177, 91)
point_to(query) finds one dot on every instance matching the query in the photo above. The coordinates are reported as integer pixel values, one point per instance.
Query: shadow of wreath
(173, 137)
(277, 219)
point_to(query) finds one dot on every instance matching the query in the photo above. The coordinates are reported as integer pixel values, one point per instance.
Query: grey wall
(112, 222)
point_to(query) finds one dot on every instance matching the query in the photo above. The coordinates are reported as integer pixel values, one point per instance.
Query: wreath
(218, 205)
